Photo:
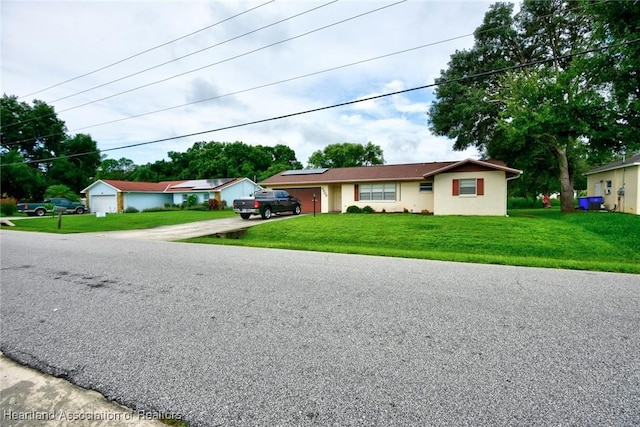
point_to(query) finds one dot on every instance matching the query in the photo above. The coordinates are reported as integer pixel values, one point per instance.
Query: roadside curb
(30, 398)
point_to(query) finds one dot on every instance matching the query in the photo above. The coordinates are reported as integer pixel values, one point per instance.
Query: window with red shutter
(480, 187)
(356, 192)
(456, 187)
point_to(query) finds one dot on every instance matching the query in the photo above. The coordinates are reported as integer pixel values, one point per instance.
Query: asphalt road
(242, 336)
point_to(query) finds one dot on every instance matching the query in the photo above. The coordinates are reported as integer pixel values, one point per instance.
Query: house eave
(611, 168)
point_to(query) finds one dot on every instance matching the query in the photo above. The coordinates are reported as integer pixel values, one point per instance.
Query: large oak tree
(527, 91)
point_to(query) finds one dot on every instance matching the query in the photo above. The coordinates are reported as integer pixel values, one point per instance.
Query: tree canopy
(545, 89)
(347, 154)
(36, 152)
(211, 160)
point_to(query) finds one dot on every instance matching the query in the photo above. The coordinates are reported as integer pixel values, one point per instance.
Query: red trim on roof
(488, 164)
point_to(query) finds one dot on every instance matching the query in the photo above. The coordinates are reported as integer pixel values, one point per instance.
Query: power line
(236, 56)
(147, 50)
(342, 104)
(213, 64)
(387, 55)
(194, 53)
(274, 83)
(256, 87)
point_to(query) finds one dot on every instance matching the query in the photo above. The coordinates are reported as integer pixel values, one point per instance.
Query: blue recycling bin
(591, 203)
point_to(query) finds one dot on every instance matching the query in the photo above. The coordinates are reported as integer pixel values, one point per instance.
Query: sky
(130, 72)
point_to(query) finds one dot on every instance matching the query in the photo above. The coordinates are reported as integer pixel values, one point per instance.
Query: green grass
(537, 238)
(529, 237)
(131, 221)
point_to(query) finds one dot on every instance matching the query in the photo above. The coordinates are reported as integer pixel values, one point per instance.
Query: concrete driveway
(215, 227)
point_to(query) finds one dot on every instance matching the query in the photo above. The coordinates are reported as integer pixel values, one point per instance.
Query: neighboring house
(618, 184)
(108, 195)
(467, 187)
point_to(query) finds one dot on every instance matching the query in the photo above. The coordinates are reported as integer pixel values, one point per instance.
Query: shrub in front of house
(200, 207)
(131, 209)
(523, 203)
(8, 206)
(368, 209)
(354, 209)
(163, 209)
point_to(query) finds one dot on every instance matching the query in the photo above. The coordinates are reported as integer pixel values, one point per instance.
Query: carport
(306, 197)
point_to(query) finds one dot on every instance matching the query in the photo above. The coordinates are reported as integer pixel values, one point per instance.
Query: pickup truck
(48, 205)
(267, 203)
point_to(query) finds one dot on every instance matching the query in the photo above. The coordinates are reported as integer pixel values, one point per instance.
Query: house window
(426, 187)
(608, 188)
(468, 187)
(377, 191)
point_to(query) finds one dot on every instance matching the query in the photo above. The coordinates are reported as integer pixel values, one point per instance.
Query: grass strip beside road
(536, 238)
(112, 222)
(595, 241)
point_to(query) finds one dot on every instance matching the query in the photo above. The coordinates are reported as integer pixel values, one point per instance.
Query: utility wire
(264, 85)
(253, 88)
(290, 79)
(147, 50)
(194, 53)
(215, 63)
(342, 104)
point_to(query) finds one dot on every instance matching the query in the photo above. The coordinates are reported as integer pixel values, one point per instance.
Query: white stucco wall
(493, 202)
(143, 201)
(101, 189)
(627, 177)
(408, 196)
(244, 188)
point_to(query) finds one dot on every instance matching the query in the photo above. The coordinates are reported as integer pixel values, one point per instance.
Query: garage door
(306, 197)
(103, 204)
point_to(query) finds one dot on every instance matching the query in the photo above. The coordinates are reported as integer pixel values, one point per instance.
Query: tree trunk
(566, 186)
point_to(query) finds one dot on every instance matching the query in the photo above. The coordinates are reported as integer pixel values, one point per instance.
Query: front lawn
(537, 238)
(128, 221)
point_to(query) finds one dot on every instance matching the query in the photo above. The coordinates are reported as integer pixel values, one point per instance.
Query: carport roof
(402, 172)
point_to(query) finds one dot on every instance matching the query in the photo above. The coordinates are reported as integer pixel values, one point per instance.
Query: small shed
(618, 184)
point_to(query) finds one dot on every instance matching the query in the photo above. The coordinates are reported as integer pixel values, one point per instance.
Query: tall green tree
(35, 131)
(77, 162)
(17, 179)
(347, 154)
(115, 169)
(541, 117)
(36, 151)
(616, 71)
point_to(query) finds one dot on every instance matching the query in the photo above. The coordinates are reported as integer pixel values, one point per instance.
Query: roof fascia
(610, 168)
(105, 183)
(477, 162)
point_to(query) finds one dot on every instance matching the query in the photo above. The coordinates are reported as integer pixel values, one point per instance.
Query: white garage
(104, 203)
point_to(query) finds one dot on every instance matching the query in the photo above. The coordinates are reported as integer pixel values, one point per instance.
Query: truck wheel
(296, 210)
(245, 215)
(40, 212)
(80, 210)
(266, 213)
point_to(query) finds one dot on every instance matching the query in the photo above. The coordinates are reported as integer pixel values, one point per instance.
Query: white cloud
(48, 42)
